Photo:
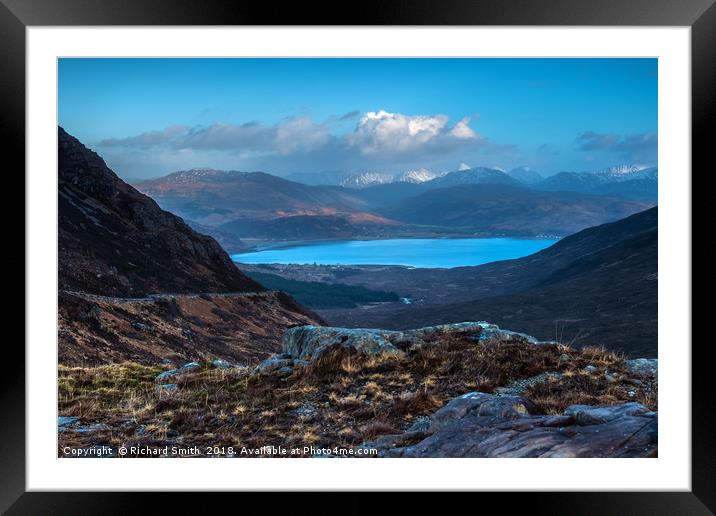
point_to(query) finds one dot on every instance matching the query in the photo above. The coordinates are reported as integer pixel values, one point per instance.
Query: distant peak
(624, 169)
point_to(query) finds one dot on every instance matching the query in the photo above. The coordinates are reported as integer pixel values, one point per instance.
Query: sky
(151, 117)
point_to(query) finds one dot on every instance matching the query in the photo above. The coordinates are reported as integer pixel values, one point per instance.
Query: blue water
(425, 252)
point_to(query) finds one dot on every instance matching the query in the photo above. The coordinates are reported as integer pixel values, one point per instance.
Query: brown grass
(353, 397)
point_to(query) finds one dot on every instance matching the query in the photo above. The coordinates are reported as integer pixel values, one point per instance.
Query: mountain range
(472, 202)
(164, 344)
(609, 181)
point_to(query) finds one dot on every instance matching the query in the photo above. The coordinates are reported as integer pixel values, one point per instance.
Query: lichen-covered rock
(491, 332)
(643, 366)
(273, 365)
(433, 333)
(306, 342)
(311, 341)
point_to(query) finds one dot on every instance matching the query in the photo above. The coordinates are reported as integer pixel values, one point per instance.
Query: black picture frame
(700, 15)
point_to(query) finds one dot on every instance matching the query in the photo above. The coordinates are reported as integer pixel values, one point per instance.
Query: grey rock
(140, 326)
(285, 371)
(590, 369)
(186, 368)
(643, 366)
(221, 364)
(588, 415)
(421, 424)
(519, 386)
(306, 411)
(506, 407)
(457, 408)
(63, 422)
(166, 387)
(309, 342)
(485, 425)
(491, 332)
(71, 424)
(463, 329)
(273, 365)
(95, 427)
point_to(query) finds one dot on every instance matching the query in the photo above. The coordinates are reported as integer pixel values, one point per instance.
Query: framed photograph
(453, 241)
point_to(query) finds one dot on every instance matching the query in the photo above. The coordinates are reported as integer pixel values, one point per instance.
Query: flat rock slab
(486, 425)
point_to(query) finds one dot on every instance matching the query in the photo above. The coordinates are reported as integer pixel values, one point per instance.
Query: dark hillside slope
(116, 246)
(116, 241)
(598, 286)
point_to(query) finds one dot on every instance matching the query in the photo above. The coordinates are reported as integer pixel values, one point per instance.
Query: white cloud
(382, 131)
(380, 139)
(464, 166)
(463, 130)
(300, 135)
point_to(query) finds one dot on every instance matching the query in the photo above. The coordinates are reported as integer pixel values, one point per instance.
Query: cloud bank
(375, 133)
(375, 140)
(629, 147)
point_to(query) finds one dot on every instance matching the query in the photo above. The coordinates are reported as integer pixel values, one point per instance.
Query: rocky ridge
(478, 424)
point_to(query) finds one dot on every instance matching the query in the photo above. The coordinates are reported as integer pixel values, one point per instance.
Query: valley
(163, 341)
(577, 290)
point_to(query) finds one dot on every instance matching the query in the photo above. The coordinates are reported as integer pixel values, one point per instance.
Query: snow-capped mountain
(366, 179)
(418, 176)
(525, 175)
(622, 173)
(477, 175)
(197, 175)
(630, 181)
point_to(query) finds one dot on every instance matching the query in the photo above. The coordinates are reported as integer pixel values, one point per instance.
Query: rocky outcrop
(486, 425)
(306, 342)
(311, 341)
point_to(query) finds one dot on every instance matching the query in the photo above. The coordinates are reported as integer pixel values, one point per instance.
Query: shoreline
(259, 245)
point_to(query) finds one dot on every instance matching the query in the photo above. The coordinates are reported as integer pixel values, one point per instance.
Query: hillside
(598, 286)
(116, 241)
(510, 210)
(137, 283)
(627, 182)
(215, 197)
(473, 176)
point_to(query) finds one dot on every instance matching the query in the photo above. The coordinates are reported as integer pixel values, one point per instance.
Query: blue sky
(149, 117)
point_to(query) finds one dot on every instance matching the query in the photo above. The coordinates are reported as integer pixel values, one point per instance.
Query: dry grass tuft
(341, 399)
